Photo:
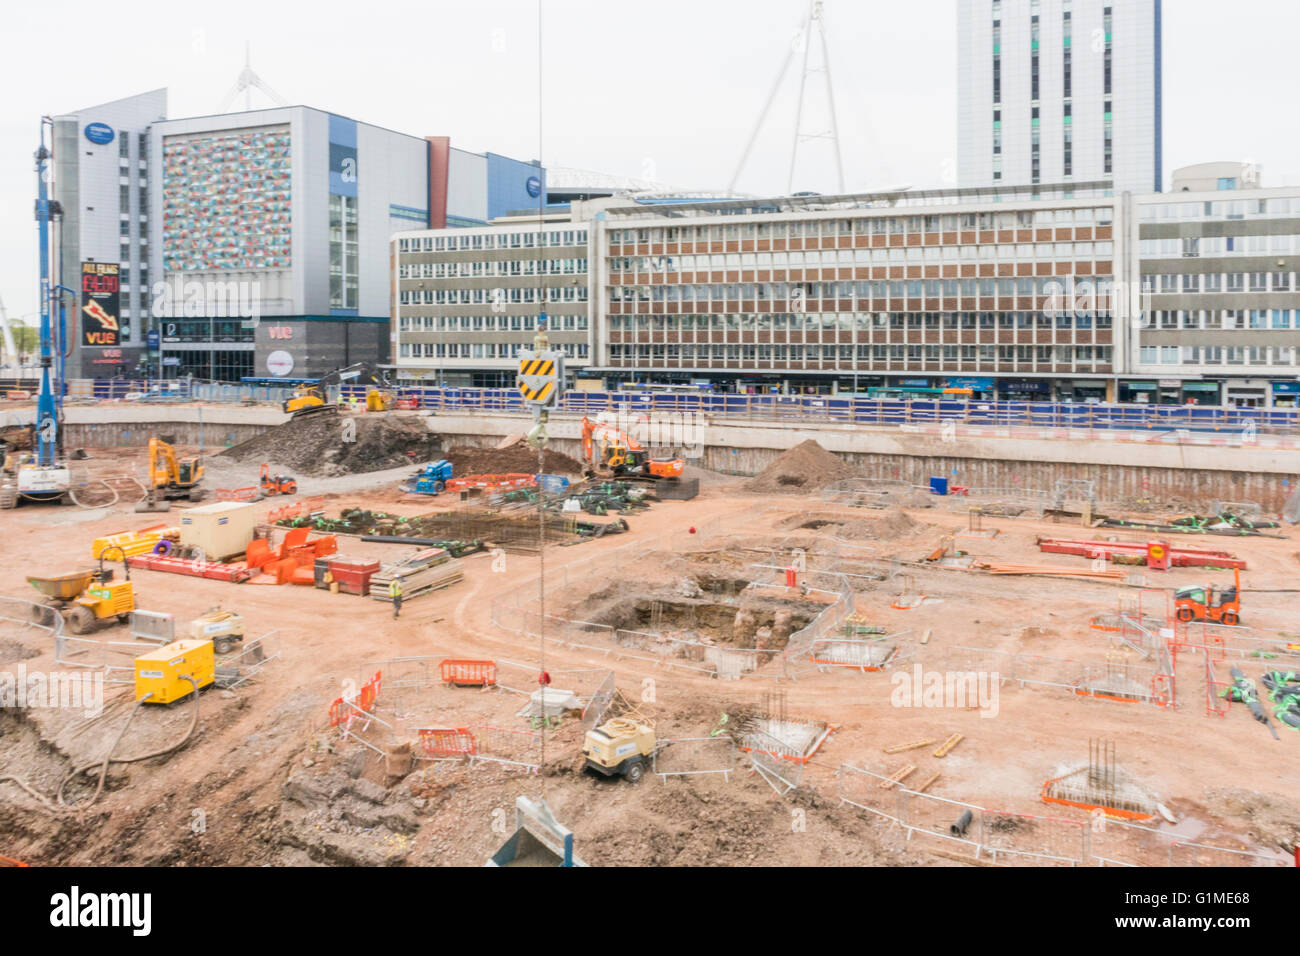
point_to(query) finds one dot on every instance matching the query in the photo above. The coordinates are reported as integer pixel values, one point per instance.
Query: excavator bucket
(152, 504)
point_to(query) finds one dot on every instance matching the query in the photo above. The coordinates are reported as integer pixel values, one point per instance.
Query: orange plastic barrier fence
(341, 708)
(259, 553)
(447, 742)
(251, 493)
(296, 538)
(468, 672)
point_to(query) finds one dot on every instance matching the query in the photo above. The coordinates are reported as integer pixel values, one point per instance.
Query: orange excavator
(608, 451)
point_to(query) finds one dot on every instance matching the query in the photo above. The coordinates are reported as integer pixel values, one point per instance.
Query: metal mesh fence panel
(689, 756)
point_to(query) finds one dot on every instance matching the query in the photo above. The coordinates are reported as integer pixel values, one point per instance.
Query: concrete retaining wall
(1121, 470)
(1159, 470)
(210, 435)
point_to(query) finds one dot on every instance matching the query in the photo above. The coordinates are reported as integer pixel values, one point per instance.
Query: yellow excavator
(170, 477)
(308, 399)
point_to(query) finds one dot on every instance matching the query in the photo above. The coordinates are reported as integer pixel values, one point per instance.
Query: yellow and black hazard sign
(541, 377)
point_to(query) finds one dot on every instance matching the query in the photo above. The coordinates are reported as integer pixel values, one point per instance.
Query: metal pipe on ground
(418, 542)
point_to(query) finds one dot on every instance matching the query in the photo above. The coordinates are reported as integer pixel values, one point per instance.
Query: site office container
(222, 530)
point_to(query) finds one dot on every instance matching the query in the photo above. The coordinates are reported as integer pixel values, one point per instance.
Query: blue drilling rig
(43, 475)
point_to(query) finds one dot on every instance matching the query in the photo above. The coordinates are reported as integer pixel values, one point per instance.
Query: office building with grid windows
(466, 300)
(987, 291)
(1059, 91)
(1219, 273)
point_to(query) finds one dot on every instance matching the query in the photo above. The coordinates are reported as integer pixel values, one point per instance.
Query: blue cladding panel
(508, 185)
(343, 156)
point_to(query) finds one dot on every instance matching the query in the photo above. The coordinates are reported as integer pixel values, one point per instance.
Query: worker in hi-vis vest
(395, 592)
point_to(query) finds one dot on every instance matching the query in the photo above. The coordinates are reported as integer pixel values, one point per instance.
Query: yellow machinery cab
(107, 599)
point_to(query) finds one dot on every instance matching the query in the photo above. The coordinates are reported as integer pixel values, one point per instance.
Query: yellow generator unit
(620, 747)
(222, 628)
(159, 672)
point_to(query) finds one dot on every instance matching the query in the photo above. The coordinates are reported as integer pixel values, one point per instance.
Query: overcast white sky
(667, 90)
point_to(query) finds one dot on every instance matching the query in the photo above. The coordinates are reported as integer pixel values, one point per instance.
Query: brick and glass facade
(866, 290)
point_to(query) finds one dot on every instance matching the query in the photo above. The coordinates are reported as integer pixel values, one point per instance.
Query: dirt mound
(17, 437)
(894, 523)
(514, 458)
(327, 444)
(805, 467)
(709, 477)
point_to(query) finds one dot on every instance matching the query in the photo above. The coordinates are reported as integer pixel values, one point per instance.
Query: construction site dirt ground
(265, 780)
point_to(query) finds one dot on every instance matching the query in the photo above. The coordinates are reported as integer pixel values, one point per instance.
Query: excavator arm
(628, 454)
(167, 471)
(162, 463)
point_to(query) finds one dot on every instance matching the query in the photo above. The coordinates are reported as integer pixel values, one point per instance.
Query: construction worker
(395, 592)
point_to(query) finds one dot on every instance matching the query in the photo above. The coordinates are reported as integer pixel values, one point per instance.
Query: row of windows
(204, 330)
(1217, 355)
(501, 267)
(489, 323)
(862, 258)
(1198, 246)
(1222, 319)
(480, 350)
(494, 240)
(1218, 282)
(214, 365)
(344, 263)
(495, 297)
(872, 289)
(844, 321)
(1021, 355)
(868, 225)
(1219, 209)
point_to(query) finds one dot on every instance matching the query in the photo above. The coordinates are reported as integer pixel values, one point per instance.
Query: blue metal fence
(810, 408)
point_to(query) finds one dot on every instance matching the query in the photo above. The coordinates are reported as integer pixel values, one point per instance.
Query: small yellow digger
(170, 478)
